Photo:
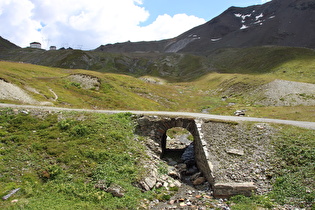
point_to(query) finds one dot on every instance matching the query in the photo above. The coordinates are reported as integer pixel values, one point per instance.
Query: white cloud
(71, 23)
(16, 21)
(166, 26)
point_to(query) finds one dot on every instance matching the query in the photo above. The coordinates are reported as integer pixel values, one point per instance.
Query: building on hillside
(52, 48)
(36, 45)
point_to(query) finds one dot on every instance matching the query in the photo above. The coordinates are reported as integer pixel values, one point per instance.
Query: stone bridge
(233, 156)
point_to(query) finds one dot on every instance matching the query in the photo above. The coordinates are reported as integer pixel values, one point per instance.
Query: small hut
(36, 45)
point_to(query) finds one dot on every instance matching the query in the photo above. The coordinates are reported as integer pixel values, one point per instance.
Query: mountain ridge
(279, 22)
(6, 44)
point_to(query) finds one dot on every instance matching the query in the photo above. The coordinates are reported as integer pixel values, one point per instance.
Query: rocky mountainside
(279, 22)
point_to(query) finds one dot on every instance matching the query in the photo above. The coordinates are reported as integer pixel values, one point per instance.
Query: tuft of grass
(241, 202)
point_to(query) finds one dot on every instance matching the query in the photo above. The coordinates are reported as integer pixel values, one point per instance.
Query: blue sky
(206, 9)
(83, 24)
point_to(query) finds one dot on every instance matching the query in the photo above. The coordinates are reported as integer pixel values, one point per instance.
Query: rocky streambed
(177, 180)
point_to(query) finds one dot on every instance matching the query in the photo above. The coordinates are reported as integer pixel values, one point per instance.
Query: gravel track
(303, 124)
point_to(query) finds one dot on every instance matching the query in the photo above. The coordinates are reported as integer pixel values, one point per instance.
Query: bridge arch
(206, 158)
(157, 128)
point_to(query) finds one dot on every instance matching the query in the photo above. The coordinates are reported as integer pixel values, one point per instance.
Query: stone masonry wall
(234, 157)
(240, 156)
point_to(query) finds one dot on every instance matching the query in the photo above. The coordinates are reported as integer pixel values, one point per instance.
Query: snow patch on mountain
(215, 39)
(259, 16)
(244, 27)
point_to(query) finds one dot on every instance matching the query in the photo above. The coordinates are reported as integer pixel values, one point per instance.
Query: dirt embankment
(285, 93)
(12, 92)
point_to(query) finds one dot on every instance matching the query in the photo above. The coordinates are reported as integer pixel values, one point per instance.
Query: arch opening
(178, 151)
(178, 138)
(178, 147)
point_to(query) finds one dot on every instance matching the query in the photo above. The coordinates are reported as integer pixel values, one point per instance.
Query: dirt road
(303, 124)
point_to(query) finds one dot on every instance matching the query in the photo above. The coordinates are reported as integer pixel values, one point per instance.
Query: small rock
(172, 185)
(171, 202)
(260, 127)
(199, 181)
(235, 152)
(165, 184)
(177, 183)
(14, 201)
(195, 176)
(181, 166)
(158, 185)
(188, 203)
(150, 181)
(101, 184)
(115, 190)
(182, 204)
(207, 196)
(239, 113)
(24, 112)
(172, 163)
(174, 174)
(164, 177)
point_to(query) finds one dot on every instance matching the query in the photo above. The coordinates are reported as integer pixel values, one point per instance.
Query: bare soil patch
(9, 91)
(285, 93)
(86, 81)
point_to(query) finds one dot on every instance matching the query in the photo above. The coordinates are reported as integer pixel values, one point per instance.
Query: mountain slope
(279, 22)
(5, 44)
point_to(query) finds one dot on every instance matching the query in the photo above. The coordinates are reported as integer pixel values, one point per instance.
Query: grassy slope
(174, 67)
(57, 160)
(248, 68)
(116, 91)
(127, 92)
(282, 62)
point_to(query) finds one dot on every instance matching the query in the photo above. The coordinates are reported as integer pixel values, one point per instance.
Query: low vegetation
(215, 93)
(57, 159)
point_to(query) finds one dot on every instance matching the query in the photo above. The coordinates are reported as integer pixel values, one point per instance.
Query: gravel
(285, 93)
(12, 92)
(9, 91)
(85, 81)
